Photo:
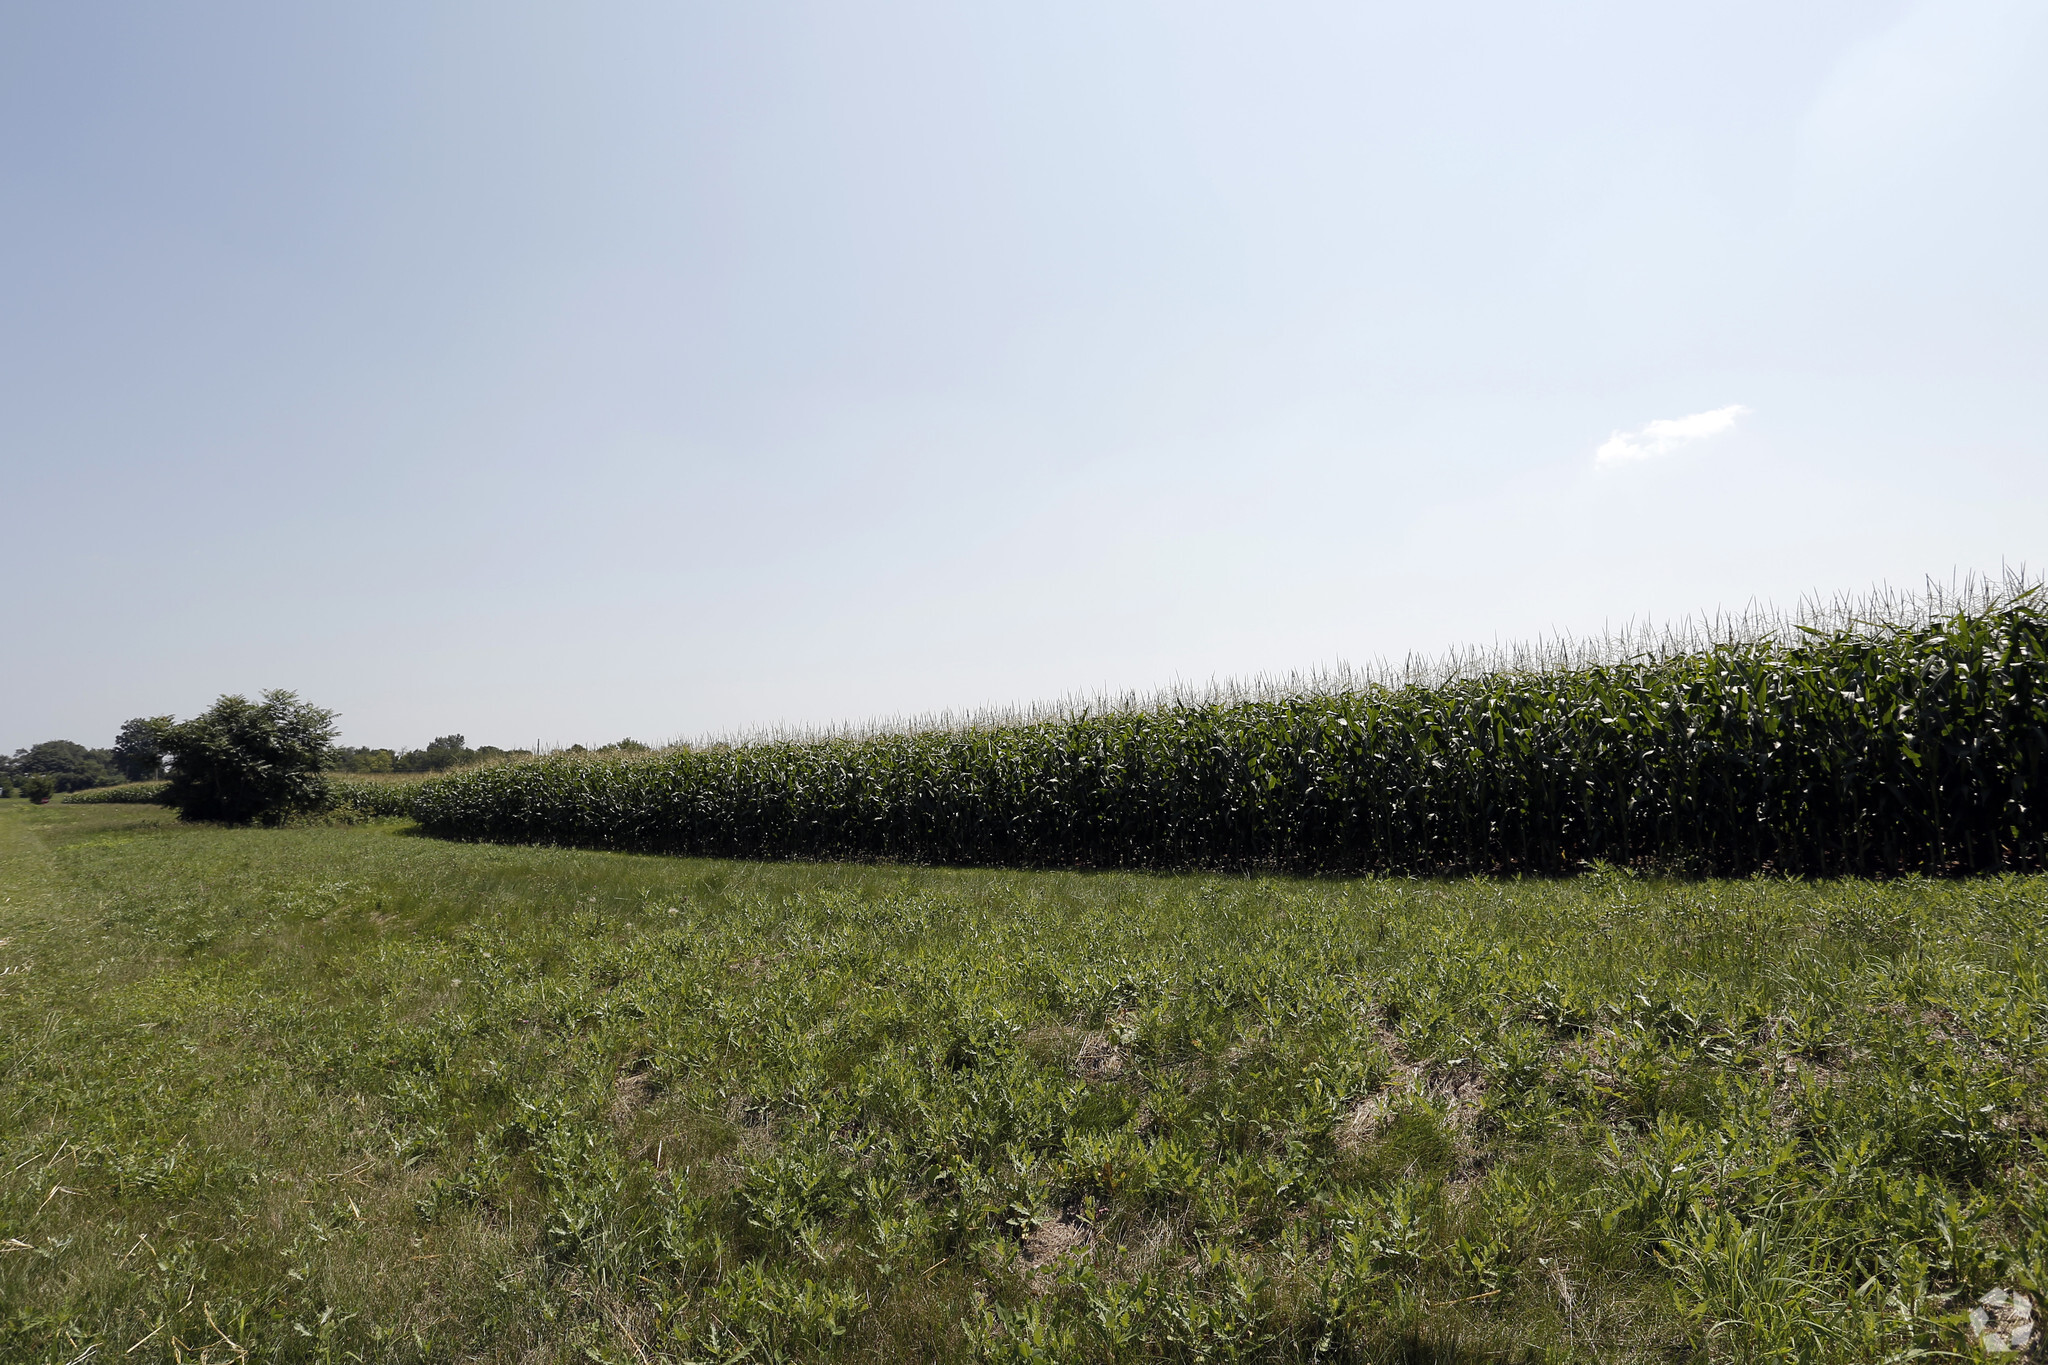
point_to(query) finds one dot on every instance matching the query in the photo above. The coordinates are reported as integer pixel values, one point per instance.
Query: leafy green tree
(39, 788)
(139, 747)
(361, 760)
(246, 761)
(448, 751)
(71, 766)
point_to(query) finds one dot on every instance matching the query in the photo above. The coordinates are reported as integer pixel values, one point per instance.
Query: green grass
(342, 1092)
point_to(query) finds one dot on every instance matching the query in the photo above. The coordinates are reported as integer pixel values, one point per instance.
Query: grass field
(347, 1093)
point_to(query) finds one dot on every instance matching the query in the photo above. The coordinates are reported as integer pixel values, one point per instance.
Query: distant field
(124, 793)
(380, 778)
(369, 794)
(348, 1093)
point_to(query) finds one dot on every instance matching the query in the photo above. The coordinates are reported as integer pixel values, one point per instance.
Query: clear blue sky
(574, 371)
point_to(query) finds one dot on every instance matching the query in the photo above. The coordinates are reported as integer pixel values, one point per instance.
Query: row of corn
(363, 798)
(1853, 750)
(371, 798)
(125, 794)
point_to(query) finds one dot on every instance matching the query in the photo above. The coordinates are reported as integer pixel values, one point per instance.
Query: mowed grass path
(346, 1093)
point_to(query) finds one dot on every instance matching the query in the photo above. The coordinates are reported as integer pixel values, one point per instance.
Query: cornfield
(363, 798)
(1858, 747)
(125, 794)
(371, 798)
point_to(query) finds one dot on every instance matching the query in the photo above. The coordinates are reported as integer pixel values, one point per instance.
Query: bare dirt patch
(1459, 1093)
(1101, 1059)
(1047, 1242)
(630, 1094)
(1056, 1237)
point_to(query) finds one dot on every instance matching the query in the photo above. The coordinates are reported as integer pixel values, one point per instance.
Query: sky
(565, 372)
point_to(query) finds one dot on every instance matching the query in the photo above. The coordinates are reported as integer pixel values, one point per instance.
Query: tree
(39, 788)
(448, 751)
(244, 760)
(72, 767)
(139, 747)
(360, 760)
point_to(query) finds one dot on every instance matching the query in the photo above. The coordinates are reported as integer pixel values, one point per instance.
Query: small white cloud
(1666, 434)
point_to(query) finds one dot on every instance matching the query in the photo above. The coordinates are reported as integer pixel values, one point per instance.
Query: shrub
(39, 788)
(246, 761)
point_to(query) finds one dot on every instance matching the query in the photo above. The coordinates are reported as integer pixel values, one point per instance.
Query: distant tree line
(60, 765)
(278, 732)
(449, 751)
